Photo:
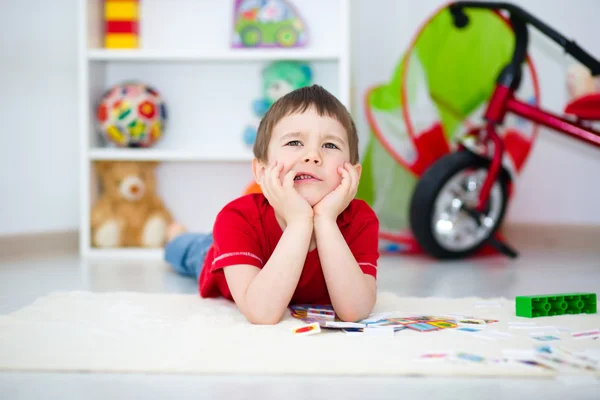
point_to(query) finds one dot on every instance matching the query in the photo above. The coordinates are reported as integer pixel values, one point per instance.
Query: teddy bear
(279, 78)
(128, 212)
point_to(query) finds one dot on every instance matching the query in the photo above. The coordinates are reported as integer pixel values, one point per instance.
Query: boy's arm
(352, 292)
(263, 295)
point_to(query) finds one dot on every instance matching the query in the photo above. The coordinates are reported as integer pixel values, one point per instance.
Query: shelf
(116, 154)
(225, 55)
(127, 254)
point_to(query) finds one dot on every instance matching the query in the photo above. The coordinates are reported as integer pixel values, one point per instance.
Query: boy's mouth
(306, 177)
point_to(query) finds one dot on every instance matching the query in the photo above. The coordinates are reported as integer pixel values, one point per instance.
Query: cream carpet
(164, 333)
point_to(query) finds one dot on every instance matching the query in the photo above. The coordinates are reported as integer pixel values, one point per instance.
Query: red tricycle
(460, 200)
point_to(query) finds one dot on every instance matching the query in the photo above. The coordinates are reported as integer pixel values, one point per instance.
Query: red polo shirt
(246, 231)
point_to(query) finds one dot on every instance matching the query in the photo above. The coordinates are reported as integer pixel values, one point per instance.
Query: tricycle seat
(586, 107)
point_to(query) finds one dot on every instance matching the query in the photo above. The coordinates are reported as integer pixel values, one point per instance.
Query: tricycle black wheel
(438, 218)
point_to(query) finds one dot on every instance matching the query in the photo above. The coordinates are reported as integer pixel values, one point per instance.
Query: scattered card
(468, 329)
(422, 327)
(492, 335)
(547, 338)
(376, 317)
(341, 324)
(544, 330)
(469, 357)
(379, 331)
(442, 324)
(320, 313)
(353, 331)
(522, 325)
(534, 363)
(591, 334)
(471, 322)
(305, 330)
(434, 356)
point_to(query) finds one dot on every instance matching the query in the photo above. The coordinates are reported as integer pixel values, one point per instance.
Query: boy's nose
(312, 158)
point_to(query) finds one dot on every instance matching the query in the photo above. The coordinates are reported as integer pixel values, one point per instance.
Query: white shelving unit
(185, 54)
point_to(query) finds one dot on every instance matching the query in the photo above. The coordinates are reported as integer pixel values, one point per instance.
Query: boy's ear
(258, 169)
(358, 168)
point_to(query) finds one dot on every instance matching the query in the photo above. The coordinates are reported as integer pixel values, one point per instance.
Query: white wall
(561, 180)
(38, 151)
(39, 141)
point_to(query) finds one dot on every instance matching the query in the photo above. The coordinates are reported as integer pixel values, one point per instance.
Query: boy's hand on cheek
(335, 202)
(283, 197)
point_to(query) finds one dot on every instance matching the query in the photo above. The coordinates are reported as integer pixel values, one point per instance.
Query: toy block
(121, 41)
(120, 10)
(555, 304)
(121, 24)
(121, 27)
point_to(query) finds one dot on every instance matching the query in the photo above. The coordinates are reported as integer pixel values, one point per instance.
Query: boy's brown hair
(298, 101)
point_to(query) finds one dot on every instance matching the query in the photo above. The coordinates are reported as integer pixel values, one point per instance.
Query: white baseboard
(553, 236)
(521, 236)
(38, 244)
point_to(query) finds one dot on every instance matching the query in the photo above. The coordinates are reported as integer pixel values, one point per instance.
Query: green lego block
(556, 304)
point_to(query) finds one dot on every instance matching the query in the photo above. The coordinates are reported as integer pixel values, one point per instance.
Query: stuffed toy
(580, 81)
(128, 212)
(279, 78)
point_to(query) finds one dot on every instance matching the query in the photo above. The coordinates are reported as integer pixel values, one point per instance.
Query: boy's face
(314, 146)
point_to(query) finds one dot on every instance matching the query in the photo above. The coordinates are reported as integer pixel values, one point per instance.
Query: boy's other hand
(335, 202)
(283, 197)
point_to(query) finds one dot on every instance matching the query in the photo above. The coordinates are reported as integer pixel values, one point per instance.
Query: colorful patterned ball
(132, 115)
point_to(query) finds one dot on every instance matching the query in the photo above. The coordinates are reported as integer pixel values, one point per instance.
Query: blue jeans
(186, 253)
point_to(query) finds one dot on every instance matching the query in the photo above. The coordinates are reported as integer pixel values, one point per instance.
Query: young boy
(304, 239)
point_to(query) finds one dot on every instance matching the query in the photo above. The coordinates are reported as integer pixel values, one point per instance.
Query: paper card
(563, 356)
(434, 356)
(353, 331)
(547, 338)
(462, 356)
(591, 334)
(309, 329)
(341, 324)
(442, 324)
(379, 331)
(590, 353)
(492, 335)
(471, 321)
(376, 317)
(455, 316)
(414, 319)
(386, 323)
(468, 329)
(402, 320)
(320, 313)
(422, 327)
(534, 363)
(544, 330)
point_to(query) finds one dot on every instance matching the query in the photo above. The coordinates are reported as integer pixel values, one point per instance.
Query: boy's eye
(294, 143)
(330, 146)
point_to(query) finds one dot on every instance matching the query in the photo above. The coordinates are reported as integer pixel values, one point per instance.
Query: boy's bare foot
(174, 230)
